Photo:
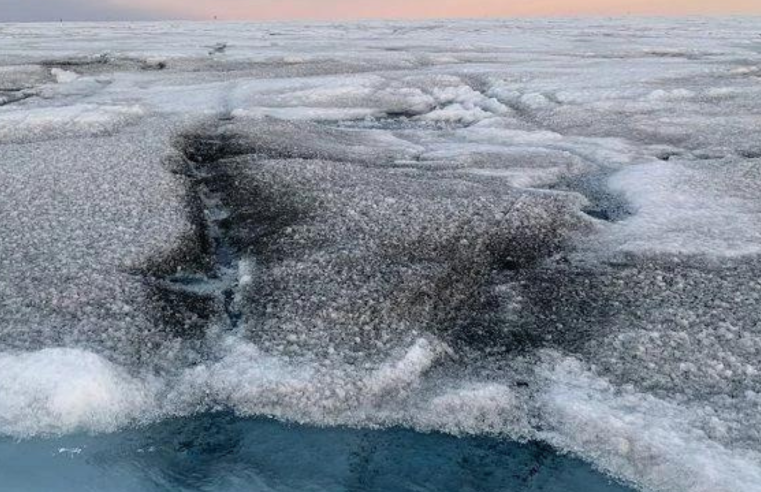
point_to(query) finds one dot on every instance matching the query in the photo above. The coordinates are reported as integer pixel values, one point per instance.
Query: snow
(687, 207)
(635, 434)
(67, 390)
(64, 76)
(534, 229)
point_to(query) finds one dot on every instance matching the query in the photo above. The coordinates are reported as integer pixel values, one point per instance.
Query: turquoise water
(224, 453)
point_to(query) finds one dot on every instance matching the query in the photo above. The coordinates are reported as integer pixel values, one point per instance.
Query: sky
(52, 10)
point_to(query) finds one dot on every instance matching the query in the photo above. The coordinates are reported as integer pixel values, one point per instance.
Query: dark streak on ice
(195, 286)
(242, 197)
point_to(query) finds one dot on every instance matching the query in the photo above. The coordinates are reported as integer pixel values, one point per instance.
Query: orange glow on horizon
(410, 9)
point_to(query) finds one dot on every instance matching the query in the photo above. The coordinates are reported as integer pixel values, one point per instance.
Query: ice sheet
(544, 229)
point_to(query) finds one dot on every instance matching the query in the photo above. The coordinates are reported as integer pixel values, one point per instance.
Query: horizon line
(360, 19)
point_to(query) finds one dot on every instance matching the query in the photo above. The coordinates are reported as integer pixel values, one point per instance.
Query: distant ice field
(533, 244)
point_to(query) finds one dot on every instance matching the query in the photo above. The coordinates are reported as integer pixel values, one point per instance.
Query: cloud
(71, 10)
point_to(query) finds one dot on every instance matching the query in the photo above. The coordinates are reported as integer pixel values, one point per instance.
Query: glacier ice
(540, 230)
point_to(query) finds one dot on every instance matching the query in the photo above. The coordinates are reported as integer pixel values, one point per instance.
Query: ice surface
(712, 205)
(532, 230)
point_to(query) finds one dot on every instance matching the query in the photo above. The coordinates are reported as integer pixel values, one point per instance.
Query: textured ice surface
(532, 230)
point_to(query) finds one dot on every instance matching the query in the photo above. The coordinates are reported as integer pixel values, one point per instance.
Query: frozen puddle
(473, 255)
(219, 453)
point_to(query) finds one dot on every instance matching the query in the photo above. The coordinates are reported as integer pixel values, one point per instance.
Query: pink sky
(347, 9)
